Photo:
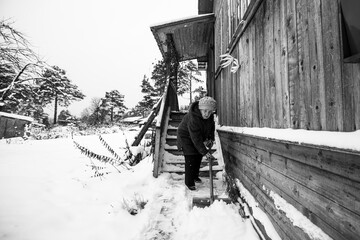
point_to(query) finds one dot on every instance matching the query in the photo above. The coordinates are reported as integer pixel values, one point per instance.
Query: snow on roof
(181, 19)
(16, 116)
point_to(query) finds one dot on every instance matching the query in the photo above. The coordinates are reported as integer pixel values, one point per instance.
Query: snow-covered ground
(49, 191)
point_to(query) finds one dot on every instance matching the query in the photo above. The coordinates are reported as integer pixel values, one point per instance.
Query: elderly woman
(195, 137)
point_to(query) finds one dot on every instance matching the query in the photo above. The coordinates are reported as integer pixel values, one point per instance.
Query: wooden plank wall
(292, 73)
(10, 127)
(321, 183)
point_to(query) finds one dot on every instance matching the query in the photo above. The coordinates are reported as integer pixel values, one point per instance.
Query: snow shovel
(212, 198)
(205, 202)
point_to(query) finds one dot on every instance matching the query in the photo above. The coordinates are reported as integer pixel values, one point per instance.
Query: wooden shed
(295, 72)
(13, 125)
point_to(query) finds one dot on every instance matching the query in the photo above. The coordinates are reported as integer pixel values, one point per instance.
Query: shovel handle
(211, 180)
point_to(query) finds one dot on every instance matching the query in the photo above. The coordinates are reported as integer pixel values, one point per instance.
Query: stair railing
(148, 123)
(169, 102)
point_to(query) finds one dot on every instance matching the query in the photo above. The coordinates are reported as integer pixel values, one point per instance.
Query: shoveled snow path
(164, 214)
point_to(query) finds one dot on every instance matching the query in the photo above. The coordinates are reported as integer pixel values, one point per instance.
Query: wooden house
(13, 125)
(297, 70)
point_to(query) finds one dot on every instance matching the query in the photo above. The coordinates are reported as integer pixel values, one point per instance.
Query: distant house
(132, 120)
(13, 125)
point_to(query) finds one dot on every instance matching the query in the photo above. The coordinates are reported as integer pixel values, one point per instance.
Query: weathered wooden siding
(11, 127)
(321, 183)
(292, 73)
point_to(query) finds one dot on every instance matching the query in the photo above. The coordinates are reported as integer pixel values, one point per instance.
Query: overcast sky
(102, 44)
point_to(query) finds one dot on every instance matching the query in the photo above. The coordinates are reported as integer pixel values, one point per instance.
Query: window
(351, 30)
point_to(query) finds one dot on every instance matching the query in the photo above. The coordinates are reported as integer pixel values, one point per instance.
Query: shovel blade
(200, 202)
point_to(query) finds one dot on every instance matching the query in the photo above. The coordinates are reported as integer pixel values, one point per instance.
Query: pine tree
(56, 86)
(149, 99)
(159, 76)
(113, 104)
(186, 74)
(201, 93)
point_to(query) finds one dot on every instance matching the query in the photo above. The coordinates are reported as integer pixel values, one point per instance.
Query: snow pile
(201, 224)
(297, 218)
(256, 211)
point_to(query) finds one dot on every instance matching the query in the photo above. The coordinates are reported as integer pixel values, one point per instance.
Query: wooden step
(202, 173)
(174, 124)
(182, 164)
(174, 150)
(177, 115)
(176, 163)
(171, 141)
(171, 132)
(180, 159)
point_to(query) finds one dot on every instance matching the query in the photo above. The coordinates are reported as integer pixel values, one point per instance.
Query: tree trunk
(190, 89)
(55, 109)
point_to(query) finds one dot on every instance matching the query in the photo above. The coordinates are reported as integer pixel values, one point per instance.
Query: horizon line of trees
(28, 85)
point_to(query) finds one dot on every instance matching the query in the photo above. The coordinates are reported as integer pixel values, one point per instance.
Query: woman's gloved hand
(208, 144)
(209, 156)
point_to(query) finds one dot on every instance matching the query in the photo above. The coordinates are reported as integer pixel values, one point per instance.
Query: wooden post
(172, 62)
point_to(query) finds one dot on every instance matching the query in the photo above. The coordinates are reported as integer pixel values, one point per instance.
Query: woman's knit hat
(207, 103)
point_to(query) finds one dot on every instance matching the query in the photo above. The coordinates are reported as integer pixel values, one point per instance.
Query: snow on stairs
(173, 160)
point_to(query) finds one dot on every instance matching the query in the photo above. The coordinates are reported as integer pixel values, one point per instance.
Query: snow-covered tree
(55, 86)
(16, 52)
(149, 99)
(20, 67)
(201, 92)
(159, 76)
(113, 104)
(186, 74)
(27, 84)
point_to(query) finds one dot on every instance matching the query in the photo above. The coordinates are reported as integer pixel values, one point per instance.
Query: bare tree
(19, 64)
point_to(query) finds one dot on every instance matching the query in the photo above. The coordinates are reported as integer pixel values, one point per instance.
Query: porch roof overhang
(190, 36)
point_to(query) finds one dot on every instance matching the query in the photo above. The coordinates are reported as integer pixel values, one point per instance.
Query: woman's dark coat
(194, 130)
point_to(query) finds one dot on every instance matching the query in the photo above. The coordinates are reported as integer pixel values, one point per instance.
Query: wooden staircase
(168, 159)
